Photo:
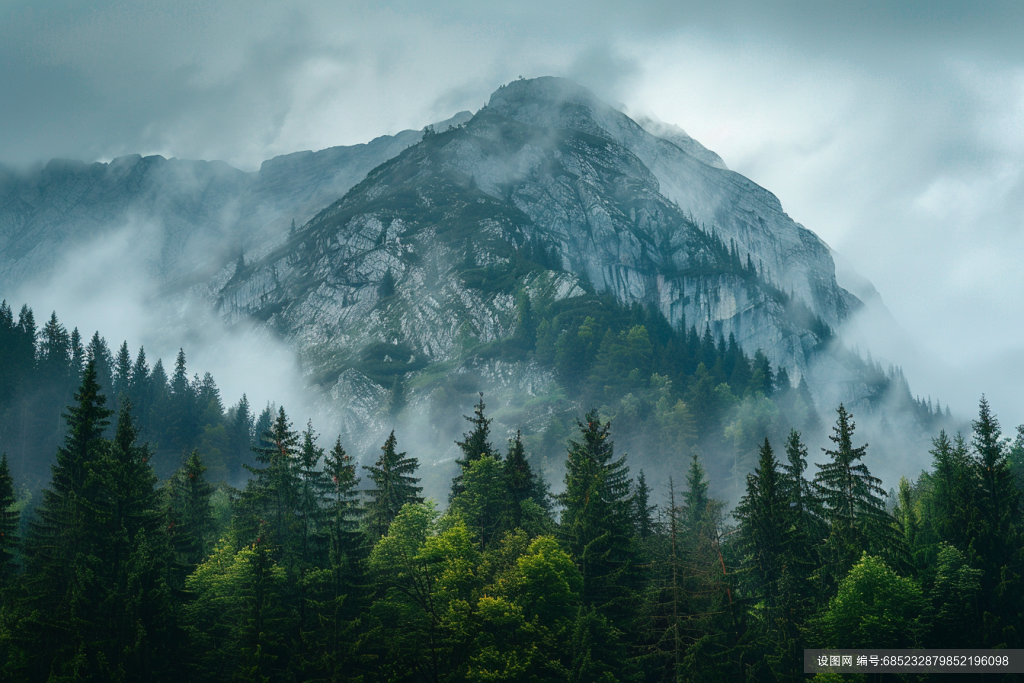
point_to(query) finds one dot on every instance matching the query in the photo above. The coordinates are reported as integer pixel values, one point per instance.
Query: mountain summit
(547, 249)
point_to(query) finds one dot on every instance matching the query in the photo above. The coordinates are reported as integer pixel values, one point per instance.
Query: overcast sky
(895, 133)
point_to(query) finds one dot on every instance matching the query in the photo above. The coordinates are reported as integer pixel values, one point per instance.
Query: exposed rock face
(429, 238)
(543, 168)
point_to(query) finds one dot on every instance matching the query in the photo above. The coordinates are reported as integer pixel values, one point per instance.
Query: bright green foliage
(875, 607)
(394, 487)
(430, 579)
(237, 622)
(484, 503)
(954, 597)
(9, 519)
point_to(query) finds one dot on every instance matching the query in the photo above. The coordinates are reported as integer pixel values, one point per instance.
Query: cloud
(890, 129)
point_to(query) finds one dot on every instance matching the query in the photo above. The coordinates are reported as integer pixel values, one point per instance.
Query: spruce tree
(597, 521)
(189, 514)
(854, 504)
(643, 509)
(474, 445)
(131, 606)
(765, 523)
(522, 484)
(272, 493)
(394, 486)
(9, 520)
(122, 373)
(313, 488)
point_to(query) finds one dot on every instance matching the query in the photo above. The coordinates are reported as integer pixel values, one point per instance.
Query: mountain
(545, 168)
(548, 250)
(200, 213)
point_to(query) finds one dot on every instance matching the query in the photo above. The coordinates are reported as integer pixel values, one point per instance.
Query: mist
(892, 133)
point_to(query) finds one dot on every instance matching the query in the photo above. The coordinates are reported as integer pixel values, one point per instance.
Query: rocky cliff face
(428, 238)
(544, 174)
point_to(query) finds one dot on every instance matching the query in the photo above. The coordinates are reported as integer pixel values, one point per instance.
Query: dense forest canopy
(138, 559)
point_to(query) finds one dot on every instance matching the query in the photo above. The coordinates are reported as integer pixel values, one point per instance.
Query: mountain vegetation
(317, 570)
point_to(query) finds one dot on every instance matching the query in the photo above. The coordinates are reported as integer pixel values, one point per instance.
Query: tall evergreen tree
(524, 487)
(765, 524)
(854, 504)
(597, 520)
(474, 444)
(643, 509)
(394, 486)
(189, 514)
(271, 495)
(122, 372)
(9, 519)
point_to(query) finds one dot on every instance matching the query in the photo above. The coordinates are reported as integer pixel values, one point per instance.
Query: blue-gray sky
(893, 130)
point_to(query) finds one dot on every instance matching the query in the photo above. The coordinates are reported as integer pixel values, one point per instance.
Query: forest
(134, 558)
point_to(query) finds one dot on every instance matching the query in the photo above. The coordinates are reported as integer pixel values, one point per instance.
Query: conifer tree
(343, 511)
(644, 510)
(313, 487)
(854, 504)
(766, 519)
(998, 500)
(9, 519)
(130, 605)
(474, 444)
(272, 493)
(240, 433)
(394, 486)
(189, 514)
(122, 373)
(597, 520)
(522, 484)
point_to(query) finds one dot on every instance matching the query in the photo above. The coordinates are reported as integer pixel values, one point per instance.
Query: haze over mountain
(388, 266)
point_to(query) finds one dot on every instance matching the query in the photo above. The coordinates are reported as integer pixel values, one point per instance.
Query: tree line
(42, 367)
(322, 570)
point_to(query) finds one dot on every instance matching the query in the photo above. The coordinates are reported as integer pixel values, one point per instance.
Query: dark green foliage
(271, 495)
(597, 514)
(474, 444)
(9, 519)
(189, 514)
(853, 503)
(394, 487)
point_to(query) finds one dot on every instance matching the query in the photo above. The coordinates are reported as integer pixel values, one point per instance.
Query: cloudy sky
(893, 130)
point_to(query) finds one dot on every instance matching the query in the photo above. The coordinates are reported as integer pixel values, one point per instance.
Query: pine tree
(189, 514)
(765, 523)
(343, 511)
(55, 628)
(313, 488)
(854, 504)
(122, 373)
(474, 445)
(240, 433)
(522, 484)
(597, 521)
(394, 486)
(272, 493)
(643, 509)
(9, 519)
(131, 610)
